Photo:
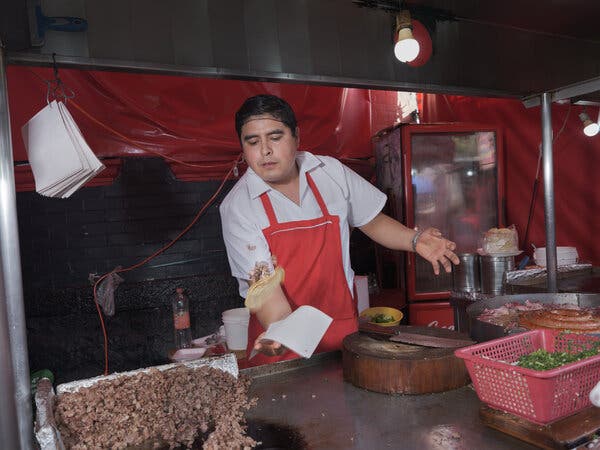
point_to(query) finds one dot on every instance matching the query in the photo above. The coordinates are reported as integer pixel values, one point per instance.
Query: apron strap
(317, 194)
(266, 201)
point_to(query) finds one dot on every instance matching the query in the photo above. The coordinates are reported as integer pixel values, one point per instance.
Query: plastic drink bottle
(181, 320)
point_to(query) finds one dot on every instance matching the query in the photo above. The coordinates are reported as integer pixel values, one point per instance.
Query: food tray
(539, 396)
(46, 430)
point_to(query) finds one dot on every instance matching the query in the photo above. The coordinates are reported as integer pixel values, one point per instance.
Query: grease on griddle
(275, 436)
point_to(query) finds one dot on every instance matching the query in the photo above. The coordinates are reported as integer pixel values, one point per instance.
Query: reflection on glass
(454, 182)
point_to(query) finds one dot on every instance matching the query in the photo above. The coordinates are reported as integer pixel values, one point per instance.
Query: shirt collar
(306, 162)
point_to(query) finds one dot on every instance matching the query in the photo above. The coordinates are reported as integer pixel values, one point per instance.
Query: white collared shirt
(346, 194)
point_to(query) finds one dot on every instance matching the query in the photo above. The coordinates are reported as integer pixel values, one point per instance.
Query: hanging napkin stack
(60, 159)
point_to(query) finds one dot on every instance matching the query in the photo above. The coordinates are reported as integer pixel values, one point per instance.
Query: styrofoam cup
(236, 327)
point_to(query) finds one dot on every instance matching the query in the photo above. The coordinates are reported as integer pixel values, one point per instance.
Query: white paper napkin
(60, 159)
(301, 331)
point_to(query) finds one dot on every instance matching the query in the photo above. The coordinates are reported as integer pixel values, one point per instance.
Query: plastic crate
(539, 396)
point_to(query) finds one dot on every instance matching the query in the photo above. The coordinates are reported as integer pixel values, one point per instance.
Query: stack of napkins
(60, 159)
(565, 256)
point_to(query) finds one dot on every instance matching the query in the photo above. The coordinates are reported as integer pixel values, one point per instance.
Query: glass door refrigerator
(448, 176)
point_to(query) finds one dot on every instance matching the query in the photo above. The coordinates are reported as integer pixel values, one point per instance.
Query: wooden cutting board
(565, 433)
(373, 362)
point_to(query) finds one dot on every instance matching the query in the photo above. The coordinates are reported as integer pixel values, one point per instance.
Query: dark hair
(266, 104)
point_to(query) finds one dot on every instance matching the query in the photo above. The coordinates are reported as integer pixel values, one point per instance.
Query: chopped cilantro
(545, 360)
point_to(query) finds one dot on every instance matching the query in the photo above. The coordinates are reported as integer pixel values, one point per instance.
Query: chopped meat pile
(512, 315)
(164, 408)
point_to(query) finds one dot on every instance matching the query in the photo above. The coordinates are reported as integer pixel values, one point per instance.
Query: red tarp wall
(576, 165)
(192, 119)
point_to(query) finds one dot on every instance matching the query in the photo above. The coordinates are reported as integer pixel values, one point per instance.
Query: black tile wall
(63, 241)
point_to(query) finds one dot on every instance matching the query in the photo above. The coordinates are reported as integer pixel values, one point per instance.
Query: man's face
(270, 149)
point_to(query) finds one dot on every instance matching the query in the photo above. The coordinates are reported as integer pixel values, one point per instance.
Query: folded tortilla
(263, 288)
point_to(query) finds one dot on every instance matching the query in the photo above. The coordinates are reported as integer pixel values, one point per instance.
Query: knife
(430, 341)
(418, 335)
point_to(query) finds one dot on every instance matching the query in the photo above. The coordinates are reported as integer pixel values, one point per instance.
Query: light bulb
(406, 50)
(407, 47)
(591, 129)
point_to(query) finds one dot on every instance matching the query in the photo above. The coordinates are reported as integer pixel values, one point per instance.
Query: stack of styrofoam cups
(564, 256)
(236, 327)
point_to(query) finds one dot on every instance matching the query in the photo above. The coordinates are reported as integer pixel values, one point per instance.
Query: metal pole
(549, 191)
(12, 285)
(9, 435)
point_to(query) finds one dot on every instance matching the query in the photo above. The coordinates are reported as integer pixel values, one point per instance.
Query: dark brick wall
(63, 241)
(100, 228)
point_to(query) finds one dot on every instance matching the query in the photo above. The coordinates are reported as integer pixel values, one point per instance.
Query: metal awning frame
(12, 316)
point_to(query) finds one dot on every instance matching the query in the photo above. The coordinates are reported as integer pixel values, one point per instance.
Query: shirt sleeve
(244, 242)
(365, 200)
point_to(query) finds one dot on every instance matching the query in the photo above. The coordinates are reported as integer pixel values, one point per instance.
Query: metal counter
(312, 397)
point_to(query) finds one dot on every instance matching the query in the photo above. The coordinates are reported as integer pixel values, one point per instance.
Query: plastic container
(181, 320)
(396, 314)
(539, 396)
(236, 327)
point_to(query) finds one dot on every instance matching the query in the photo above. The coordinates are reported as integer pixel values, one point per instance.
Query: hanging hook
(56, 89)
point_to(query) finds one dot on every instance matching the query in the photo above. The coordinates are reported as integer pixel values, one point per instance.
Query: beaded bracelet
(415, 239)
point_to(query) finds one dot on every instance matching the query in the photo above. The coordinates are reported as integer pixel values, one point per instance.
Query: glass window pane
(454, 182)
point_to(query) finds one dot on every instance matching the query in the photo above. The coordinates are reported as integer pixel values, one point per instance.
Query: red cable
(154, 255)
(135, 144)
(161, 250)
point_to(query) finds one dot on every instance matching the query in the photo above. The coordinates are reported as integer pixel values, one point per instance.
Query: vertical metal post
(549, 191)
(9, 433)
(12, 286)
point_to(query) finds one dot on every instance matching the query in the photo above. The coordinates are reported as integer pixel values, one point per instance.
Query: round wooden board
(391, 367)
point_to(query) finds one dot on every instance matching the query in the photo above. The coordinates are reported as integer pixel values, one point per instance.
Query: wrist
(415, 240)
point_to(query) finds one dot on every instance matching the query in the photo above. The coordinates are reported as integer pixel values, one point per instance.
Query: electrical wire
(69, 99)
(154, 255)
(536, 180)
(126, 139)
(233, 169)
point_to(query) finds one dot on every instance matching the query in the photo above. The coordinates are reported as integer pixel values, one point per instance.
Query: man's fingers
(447, 264)
(268, 347)
(454, 258)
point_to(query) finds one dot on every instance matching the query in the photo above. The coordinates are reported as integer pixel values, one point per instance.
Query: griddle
(484, 331)
(311, 397)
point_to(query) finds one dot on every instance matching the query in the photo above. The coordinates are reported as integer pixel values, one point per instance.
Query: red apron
(310, 251)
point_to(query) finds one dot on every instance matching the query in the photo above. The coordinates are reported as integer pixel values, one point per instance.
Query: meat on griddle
(162, 408)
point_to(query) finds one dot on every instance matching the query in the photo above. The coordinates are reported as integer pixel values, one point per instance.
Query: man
(298, 209)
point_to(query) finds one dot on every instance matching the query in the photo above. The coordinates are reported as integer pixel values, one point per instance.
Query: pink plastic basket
(539, 396)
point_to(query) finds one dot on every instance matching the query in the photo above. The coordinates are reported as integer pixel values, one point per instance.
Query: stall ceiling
(510, 48)
(577, 19)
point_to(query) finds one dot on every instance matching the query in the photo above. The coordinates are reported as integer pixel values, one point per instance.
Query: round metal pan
(484, 331)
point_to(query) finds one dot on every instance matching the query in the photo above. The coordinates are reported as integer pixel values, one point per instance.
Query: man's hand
(268, 347)
(437, 250)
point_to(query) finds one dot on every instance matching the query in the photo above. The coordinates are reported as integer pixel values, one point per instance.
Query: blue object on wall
(58, 23)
